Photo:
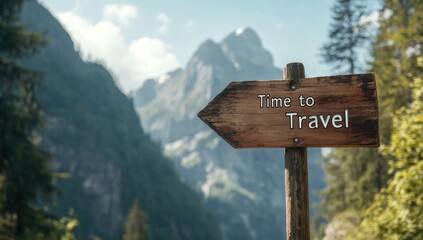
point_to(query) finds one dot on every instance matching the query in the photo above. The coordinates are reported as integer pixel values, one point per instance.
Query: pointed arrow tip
(200, 114)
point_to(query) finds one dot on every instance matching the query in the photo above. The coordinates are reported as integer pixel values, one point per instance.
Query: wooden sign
(335, 111)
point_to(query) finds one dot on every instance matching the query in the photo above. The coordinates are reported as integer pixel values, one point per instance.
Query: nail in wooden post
(296, 176)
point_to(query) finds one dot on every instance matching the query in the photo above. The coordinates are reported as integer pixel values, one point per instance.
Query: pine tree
(347, 34)
(396, 50)
(353, 175)
(136, 224)
(397, 210)
(7, 222)
(23, 165)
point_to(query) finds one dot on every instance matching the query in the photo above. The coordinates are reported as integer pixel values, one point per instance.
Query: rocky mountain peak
(245, 36)
(242, 188)
(244, 48)
(209, 53)
(209, 66)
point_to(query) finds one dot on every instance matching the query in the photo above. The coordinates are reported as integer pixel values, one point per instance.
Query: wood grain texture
(296, 194)
(235, 114)
(296, 179)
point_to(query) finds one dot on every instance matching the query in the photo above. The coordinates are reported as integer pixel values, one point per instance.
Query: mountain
(244, 189)
(95, 136)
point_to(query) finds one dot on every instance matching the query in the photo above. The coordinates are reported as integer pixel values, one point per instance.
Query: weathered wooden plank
(236, 115)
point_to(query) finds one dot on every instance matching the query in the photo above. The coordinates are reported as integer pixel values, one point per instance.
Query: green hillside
(95, 136)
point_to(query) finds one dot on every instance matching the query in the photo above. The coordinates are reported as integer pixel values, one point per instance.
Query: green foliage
(96, 137)
(347, 34)
(24, 167)
(341, 225)
(22, 164)
(136, 224)
(397, 211)
(407, 138)
(396, 50)
(66, 226)
(51, 228)
(354, 176)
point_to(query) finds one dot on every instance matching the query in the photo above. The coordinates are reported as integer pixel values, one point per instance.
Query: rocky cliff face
(94, 134)
(243, 188)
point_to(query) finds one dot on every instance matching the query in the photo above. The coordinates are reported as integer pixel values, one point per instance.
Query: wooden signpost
(334, 111)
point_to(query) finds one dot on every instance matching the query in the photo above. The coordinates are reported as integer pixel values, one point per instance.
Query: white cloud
(153, 55)
(120, 13)
(132, 62)
(163, 19)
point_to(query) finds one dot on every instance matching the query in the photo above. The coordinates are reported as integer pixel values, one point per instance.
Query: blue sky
(140, 39)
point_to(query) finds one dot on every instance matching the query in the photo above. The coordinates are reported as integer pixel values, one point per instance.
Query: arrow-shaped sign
(307, 112)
